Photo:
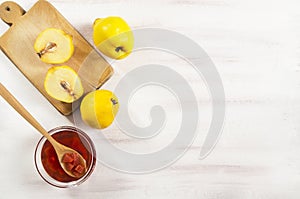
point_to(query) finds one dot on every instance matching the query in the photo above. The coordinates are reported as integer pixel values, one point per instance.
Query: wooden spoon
(60, 149)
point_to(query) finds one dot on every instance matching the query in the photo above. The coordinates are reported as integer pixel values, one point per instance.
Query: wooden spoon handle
(22, 111)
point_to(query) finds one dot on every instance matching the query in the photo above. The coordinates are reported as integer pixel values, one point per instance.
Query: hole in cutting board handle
(10, 12)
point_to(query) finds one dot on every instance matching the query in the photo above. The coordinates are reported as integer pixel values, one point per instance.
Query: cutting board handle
(10, 12)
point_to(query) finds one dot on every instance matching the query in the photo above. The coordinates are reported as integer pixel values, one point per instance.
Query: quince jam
(70, 139)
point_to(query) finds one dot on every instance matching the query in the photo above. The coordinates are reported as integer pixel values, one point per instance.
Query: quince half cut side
(63, 83)
(54, 46)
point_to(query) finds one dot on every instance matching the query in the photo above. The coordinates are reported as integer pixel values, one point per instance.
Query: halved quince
(63, 83)
(54, 46)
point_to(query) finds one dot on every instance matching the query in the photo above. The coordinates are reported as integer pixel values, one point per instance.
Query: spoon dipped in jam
(70, 160)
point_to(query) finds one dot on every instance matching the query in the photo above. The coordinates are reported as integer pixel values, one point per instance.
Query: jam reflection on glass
(49, 158)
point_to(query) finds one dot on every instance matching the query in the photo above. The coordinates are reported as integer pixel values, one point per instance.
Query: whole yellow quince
(99, 108)
(113, 37)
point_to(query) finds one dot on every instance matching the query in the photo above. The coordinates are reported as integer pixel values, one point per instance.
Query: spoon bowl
(62, 151)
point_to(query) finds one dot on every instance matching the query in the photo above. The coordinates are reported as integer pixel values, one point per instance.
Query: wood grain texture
(255, 47)
(17, 43)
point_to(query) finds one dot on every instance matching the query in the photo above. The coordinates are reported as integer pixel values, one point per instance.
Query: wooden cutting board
(17, 43)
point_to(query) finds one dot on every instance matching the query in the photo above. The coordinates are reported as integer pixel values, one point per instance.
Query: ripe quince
(99, 108)
(113, 37)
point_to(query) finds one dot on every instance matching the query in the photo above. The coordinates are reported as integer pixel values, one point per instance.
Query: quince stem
(114, 101)
(120, 48)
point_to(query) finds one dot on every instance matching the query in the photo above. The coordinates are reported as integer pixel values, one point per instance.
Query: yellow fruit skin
(99, 108)
(111, 34)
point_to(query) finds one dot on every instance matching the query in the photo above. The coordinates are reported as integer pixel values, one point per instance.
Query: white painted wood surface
(255, 47)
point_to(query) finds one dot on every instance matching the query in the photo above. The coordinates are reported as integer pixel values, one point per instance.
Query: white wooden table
(255, 47)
